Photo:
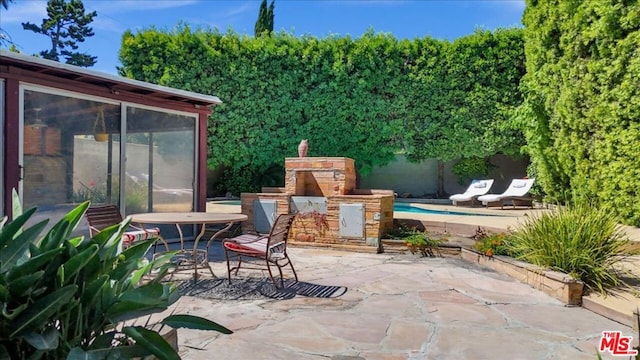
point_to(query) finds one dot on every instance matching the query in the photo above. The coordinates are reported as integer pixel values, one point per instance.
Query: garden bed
(554, 283)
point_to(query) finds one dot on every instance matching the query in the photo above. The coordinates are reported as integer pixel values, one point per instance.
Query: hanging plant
(99, 127)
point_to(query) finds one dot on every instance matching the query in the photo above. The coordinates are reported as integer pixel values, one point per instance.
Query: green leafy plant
(493, 244)
(472, 168)
(400, 230)
(581, 240)
(70, 297)
(420, 242)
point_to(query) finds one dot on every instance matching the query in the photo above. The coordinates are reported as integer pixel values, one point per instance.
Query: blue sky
(405, 19)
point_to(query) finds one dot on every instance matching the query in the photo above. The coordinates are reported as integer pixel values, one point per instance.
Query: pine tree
(5, 3)
(270, 17)
(5, 38)
(66, 26)
(265, 19)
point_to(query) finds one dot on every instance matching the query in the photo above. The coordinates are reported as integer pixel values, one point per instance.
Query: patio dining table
(189, 257)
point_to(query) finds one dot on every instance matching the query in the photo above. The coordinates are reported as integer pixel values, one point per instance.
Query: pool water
(417, 210)
(396, 207)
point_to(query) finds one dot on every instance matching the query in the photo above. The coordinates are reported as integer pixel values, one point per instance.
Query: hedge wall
(582, 108)
(365, 98)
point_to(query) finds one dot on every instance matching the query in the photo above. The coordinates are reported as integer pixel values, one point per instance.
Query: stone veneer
(335, 179)
(559, 285)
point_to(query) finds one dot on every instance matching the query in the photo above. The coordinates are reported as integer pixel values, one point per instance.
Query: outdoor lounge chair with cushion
(477, 188)
(517, 193)
(104, 215)
(262, 251)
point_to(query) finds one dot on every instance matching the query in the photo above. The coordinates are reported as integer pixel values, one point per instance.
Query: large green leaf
(132, 256)
(16, 204)
(91, 293)
(46, 340)
(10, 314)
(75, 216)
(39, 312)
(152, 341)
(32, 265)
(77, 262)
(22, 286)
(120, 352)
(139, 249)
(16, 248)
(64, 227)
(194, 322)
(136, 302)
(13, 228)
(55, 237)
(3, 221)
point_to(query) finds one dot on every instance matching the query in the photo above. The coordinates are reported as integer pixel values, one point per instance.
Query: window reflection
(63, 162)
(71, 153)
(160, 166)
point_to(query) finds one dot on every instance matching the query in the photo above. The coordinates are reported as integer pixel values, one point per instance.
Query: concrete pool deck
(400, 306)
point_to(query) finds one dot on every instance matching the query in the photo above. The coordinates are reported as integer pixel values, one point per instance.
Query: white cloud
(230, 15)
(242, 9)
(103, 23)
(25, 11)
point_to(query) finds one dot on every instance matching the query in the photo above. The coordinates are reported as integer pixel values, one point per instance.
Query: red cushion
(247, 243)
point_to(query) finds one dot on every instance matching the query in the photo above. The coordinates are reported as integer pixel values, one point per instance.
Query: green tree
(265, 19)
(4, 36)
(67, 25)
(581, 110)
(5, 3)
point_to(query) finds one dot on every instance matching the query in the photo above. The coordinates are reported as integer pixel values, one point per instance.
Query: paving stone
(396, 307)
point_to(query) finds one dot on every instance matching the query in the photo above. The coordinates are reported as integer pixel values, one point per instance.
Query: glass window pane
(70, 153)
(160, 166)
(66, 154)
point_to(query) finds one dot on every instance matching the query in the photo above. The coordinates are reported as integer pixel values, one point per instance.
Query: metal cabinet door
(352, 220)
(264, 214)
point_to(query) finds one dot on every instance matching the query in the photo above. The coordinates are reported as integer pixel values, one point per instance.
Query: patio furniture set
(250, 251)
(517, 194)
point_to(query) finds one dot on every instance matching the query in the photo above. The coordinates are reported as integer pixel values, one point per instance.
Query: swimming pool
(396, 207)
(418, 210)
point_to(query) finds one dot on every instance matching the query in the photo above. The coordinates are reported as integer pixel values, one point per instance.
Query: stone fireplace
(331, 211)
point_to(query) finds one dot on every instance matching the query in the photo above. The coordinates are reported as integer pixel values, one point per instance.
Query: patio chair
(104, 215)
(477, 188)
(259, 251)
(517, 193)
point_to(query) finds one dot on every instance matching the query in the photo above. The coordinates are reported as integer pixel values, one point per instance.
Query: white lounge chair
(477, 188)
(517, 193)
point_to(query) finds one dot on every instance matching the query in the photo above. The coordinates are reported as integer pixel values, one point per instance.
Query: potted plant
(68, 297)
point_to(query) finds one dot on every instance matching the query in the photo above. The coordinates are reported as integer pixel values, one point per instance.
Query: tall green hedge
(582, 108)
(366, 98)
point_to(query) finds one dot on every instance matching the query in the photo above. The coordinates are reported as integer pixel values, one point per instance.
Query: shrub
(421, 242)
(67, 297)
(493, 244)
(581, 240)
